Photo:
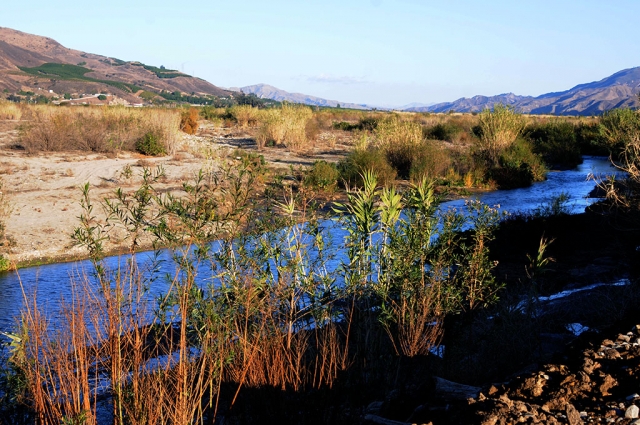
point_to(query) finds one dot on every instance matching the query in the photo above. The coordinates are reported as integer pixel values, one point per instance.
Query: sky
(378, 52)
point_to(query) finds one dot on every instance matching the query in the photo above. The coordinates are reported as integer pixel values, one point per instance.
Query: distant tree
(338, 106)
(162, 67)
(67, 96)
(102, 97)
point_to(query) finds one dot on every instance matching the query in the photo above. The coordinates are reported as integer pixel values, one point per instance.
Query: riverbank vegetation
(290, 315)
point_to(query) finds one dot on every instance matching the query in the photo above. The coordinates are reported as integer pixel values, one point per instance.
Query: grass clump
(499, 128)
(9, 111)
(287, 125)
(104, 129)
(245, 115)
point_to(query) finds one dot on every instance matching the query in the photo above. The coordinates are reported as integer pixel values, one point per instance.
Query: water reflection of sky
(52, 282)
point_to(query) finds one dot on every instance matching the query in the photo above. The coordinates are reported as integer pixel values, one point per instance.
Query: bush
(323, 175)
(498, 130)
(619, 129)
(150, 145)
(556, 142)
(189, 121)
(360, 160)
(9, 111)
(245, 115)
(287, 125)
(104, 129)
(446, 131)
(517, 166)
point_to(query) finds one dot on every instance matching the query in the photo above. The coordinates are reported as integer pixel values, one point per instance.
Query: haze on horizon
(379, 52)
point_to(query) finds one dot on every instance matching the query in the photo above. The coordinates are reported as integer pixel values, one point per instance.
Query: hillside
(618, 90)
(266, 91)
(40, 64)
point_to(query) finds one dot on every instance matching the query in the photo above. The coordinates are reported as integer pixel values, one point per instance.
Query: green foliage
(102, 97)
(556, 142)
(150, 144)
(518, 166)
(590, 140)
(620, 128)
(367, 123)
(323, 175)
(446, 131)
(361, 160)
(5, 264)
(74, 72)
(59, 70)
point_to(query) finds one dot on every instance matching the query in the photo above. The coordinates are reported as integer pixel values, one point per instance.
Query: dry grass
(245, 115)
(97, 129)
(287, 125)
(9, 111)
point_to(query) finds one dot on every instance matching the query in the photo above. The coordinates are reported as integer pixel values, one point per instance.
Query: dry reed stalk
(97, 129)
(245, 115)
(9, 111)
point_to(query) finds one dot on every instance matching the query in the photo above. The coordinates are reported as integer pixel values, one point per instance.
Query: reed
(9, 111)
(104, 129)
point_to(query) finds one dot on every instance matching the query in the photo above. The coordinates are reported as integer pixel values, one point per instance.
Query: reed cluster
(275, 302)
(103, 129)
(286, 125)
(9, 111)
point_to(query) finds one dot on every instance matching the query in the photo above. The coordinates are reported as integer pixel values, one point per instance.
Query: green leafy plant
(150, 145)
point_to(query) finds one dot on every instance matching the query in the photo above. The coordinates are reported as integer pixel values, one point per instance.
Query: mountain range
(618, 90)
(32, 63)
(269, 92)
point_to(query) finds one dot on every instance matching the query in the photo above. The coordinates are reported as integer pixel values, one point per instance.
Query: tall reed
(9, 111)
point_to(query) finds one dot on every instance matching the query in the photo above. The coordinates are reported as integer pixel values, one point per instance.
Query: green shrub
(360, 160)
(620, 128)
(443, 131)
(556, 142)
(323, 175)
(590, 140)
(518, 166)
(150, 145)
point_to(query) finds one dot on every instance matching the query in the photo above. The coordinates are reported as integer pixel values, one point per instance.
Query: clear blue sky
(380, 52)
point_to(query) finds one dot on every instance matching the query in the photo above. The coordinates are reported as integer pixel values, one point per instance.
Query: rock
(608, 383)
(624, 338)
(573, 416)
(632, 412)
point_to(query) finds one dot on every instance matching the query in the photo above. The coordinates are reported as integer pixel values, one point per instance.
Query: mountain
(269, 92)
(618, 90)
(40, 64)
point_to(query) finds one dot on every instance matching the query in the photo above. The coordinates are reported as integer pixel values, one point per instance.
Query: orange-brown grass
(9, 111)
(103, 129)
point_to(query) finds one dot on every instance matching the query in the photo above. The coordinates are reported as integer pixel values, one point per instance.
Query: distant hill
(35, 63)
(266, 91)
(618, 90)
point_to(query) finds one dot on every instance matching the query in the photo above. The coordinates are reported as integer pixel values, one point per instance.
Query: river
(51, 282)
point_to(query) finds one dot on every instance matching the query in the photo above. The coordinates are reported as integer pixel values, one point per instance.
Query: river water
(51, 282)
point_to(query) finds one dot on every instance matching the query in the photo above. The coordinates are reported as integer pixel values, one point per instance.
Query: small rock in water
(632, 412)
